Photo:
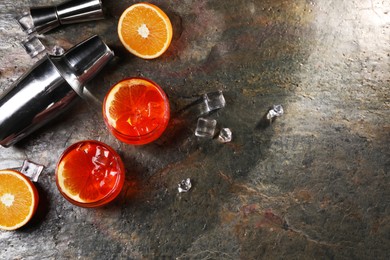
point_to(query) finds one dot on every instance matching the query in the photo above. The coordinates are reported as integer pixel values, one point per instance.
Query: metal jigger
(49, 88)
(44, 19)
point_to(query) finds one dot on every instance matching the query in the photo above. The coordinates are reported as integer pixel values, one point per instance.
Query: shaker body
(49, 88)
(36, 98)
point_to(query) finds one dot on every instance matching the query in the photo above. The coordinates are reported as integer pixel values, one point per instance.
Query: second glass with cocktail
(136, 111)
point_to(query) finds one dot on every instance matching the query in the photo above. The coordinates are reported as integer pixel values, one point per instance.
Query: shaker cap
(49, 17)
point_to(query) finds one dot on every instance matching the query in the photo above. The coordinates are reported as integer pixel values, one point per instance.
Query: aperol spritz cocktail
(90, 174)
(136, 111)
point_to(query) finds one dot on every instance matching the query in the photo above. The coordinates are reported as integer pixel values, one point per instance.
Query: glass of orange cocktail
(136, 111)
(90, 174)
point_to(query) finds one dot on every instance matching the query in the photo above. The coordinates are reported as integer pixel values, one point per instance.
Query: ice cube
(33, 46)
(26, 22)
(57, 50)
(205, 127)
(102, 157)
(275, 111)
(31, 170)
(184, 185)
(225, 135)
(212, 101)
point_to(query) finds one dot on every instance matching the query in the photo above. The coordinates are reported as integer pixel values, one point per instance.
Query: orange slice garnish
(145, 30)
(18, 199)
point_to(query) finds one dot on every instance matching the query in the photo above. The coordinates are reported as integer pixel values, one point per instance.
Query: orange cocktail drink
(136, 111)
(90, 174)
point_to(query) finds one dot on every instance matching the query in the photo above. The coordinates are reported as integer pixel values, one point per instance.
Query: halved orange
(145, 30)
(136, 110)
(18, 199)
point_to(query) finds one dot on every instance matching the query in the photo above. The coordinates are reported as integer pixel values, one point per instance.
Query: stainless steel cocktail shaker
(50, 87)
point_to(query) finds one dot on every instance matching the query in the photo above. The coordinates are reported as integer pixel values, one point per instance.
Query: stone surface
(314, 184)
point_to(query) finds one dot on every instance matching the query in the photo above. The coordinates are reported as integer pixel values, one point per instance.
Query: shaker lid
(47, 18)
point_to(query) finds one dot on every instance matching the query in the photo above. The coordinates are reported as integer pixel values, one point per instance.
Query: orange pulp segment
(145, 30)
(136, 110)
(18, 199)
(90, 174)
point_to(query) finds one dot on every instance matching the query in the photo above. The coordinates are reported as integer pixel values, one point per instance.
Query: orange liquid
(90, 174)
(141, 111)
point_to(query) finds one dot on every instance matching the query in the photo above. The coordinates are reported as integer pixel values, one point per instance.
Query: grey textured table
(314, 184)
